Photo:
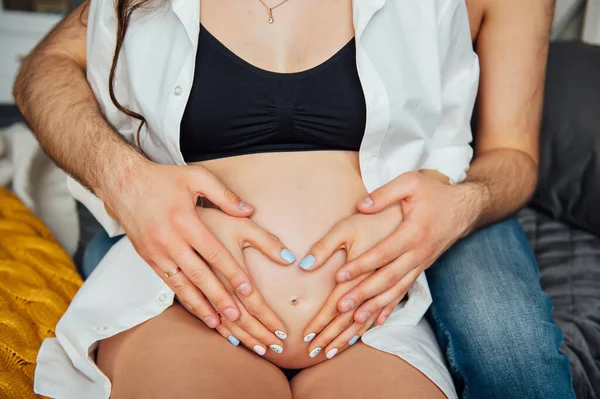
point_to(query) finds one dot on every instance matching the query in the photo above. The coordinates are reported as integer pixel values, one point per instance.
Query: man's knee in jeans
(99, 246)
(493, 319)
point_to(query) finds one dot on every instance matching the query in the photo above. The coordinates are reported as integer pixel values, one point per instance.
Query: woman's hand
(156, 206)
(330, 330)
(258, 328)
(435, 216)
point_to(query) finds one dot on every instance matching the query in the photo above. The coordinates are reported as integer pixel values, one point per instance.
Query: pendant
(271, 20)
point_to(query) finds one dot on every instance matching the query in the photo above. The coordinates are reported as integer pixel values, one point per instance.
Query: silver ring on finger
(173, 272)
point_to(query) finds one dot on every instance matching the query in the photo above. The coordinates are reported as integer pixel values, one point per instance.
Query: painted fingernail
(353, 340)
(314, 352)
(244, 289)
(276, 348)
(345, 276)
(210, 321)
(331, 353)
(367, 202)
(363, 317)
(287, 256)
(307, 262)
(347, 305)
(244, 206)
(234, 341)
(281, 334)
(260, 351)
(230, 313)
(310, 337)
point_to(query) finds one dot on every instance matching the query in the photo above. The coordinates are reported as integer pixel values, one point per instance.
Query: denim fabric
(493, 320)
(99, 245)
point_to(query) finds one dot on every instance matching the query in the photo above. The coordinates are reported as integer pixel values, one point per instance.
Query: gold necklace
(270, 9)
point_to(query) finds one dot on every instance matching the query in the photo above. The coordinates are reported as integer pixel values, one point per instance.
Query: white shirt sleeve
(449, 149)
(95, 206)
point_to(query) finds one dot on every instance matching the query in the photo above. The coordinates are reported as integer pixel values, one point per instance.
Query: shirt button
(162, 297)
(177, 90)
(101, 328)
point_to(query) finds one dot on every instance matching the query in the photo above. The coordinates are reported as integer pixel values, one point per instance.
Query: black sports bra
(235, 108)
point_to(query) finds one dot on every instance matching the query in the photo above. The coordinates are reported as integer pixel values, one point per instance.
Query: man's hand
(156, 206)
(435, 216)
(331, 331)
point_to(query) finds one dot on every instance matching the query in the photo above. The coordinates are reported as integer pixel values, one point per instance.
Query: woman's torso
(299, 196)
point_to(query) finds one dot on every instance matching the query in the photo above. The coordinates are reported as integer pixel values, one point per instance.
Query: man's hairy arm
(512, 45)
(55, 98)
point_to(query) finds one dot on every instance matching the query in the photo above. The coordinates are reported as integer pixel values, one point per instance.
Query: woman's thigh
(363, 372)
(176, 356)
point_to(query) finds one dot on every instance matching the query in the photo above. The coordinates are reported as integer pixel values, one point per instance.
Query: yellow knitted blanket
(37, 281)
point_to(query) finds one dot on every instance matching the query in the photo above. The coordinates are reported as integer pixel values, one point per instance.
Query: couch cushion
(569, 262)
(569, 182)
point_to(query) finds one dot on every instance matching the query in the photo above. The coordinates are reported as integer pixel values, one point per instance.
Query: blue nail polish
(307, 262)
(234, 341)
(288, 256)
(353, 340)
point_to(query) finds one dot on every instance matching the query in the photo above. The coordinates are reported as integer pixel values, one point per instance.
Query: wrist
(473, 197)
(118, 173)
(434, 174)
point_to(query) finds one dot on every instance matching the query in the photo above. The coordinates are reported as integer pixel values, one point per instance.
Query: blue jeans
(493, 320)
(490, 314)
(98, 246)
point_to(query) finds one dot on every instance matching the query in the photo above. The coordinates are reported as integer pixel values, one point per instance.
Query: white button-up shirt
(419, 76)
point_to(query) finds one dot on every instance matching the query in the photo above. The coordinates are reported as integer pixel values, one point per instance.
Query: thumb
(204, 183)
(398, 189)
(323, 249)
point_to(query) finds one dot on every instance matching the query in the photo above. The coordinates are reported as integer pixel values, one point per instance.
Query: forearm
(498, 184)
(52, 93)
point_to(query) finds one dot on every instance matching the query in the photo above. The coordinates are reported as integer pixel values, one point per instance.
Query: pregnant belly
(298, 196)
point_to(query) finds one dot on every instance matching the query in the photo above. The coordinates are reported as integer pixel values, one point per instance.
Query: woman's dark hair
(124, 9)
